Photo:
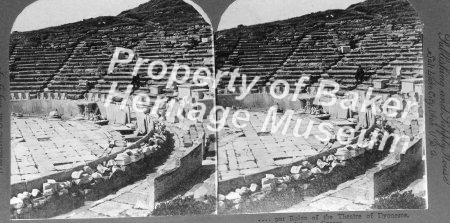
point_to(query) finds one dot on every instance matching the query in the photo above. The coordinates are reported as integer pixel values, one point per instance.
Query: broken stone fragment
(97, 175)
(84, 179)
(21, 196)
(330, 158)
(244, 190)
(307, 164)
(321, 164)
(316, 170)
(122, 159)
(279, 180)
(35, 192)
(335, 163)
(296, 176)
(287, 179)
(88, 170)
(221, 204)
(136, 155)
(111, 163)
(101, 169)
(233, 196)
(48, 192)
(147, 151)
(115, 169)
(267, 181)
(257, 196)
(16, 203)
(120, 143)
(295, 169)
(253, 187)
(270, 176)
(76, 174)
(221, 197)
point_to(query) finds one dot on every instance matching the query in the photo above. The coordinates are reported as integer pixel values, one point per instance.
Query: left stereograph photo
(109, 110)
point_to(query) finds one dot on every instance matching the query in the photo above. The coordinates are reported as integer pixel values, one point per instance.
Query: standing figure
(136, 81)
(359, 76)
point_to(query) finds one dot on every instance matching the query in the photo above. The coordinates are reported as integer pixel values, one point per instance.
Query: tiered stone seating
(191, 46)
(315, 53)
(75, 60)
(374, 34)
(33, 66)
(91, 58)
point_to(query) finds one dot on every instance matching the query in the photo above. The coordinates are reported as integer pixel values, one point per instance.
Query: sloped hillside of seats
(74, 61)
(378, 35)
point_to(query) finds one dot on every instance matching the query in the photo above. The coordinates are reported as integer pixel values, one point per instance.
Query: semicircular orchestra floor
(41, 147)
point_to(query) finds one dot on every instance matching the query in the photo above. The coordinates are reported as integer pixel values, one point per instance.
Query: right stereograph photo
(322, 107)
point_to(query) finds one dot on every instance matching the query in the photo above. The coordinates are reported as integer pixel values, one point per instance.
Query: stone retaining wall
(408, 168)
(192, 160)
(260, 100)
(68, 108)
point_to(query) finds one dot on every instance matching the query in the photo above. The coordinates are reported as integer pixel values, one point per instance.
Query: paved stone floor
(247, 151)
(41, 147)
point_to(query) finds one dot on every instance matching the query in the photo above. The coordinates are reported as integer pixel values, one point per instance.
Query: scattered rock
(295, 169)
(233, 196)
(244, 190)
(35, 192)
(88, 170)
(253, 187)
(307, 164)
(331, 158)
(221, 197)
(76, 174)
(270, 176)
(101, 169)
(122, 159)
(257, 196)
(316, 170)
(97, 175)
(111, 163)
(16, 203)
(287, 179)
(321, 164)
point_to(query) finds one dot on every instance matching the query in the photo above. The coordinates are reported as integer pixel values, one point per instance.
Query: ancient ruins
(76, 156)
(261, 170)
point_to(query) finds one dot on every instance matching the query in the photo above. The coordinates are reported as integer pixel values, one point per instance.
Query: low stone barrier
(261, 100)
(406, 169)
(68, 108)
(191, 160)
